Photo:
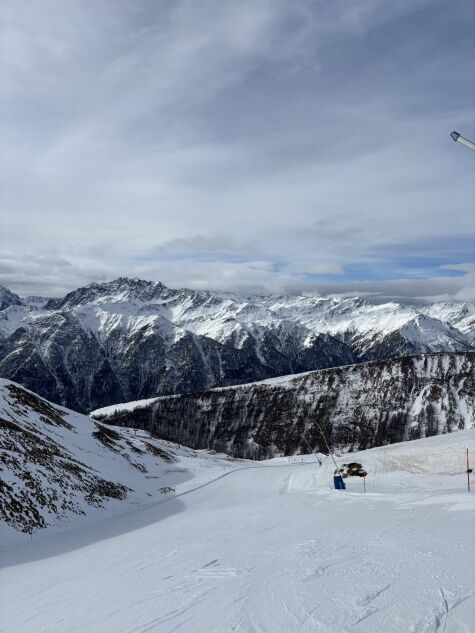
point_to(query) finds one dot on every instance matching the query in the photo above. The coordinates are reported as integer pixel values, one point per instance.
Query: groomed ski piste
(269, 547)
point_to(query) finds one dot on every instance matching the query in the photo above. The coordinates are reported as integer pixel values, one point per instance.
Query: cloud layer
(265, 146)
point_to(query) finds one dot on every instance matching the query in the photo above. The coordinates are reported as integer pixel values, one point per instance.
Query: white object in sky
(460, 139)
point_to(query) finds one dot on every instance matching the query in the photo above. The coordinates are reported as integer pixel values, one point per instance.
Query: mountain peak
(8, 298)
(117, 290)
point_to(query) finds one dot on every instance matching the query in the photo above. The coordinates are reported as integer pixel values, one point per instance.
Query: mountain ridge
(130, 338)
(356, 407)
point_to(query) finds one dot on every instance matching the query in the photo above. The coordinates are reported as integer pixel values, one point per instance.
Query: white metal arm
(460, 139)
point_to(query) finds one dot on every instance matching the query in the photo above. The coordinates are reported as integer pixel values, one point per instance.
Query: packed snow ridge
(131, 339)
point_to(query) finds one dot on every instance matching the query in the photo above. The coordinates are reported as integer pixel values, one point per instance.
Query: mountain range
(129, 339)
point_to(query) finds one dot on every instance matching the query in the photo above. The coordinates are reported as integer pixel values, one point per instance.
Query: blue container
(338, 482)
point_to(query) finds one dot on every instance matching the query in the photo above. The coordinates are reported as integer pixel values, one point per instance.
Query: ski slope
(268, 548)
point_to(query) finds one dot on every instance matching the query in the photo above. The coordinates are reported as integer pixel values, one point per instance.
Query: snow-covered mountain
(355, 407)
(459, 315)
(59, 466)
(8, 298)
(129, 339)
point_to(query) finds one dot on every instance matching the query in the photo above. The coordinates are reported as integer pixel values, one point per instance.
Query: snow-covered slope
(268, 549)
(450, 311)
(459, 315)
(130, 339)
(358, 406)
(58, 466)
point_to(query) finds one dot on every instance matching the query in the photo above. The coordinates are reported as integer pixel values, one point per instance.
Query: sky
(270, 146)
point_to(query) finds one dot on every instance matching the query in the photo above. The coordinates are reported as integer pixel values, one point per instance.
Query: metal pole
(326, 444)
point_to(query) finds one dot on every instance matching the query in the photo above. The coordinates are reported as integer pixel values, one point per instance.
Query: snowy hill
(59, 466)
(268, 549)
(358, 406)
(130, 339)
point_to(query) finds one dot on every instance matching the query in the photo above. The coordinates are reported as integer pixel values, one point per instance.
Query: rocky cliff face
(130, 339)
(355, 407)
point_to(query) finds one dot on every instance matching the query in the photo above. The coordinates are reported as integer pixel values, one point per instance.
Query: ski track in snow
(269, 548)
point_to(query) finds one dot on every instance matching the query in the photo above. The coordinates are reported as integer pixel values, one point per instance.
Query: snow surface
(269, 548)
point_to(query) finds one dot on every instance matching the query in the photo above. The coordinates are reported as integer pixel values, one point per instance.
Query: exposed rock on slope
(356, 407)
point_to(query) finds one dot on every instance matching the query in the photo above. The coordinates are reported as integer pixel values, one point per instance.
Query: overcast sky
(251, 146)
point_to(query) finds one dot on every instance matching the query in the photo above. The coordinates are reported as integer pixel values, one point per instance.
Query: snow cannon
(354, 469)
(458, 138)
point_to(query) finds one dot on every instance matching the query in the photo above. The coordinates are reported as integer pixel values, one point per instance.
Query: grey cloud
(46, 275)
(53, 277)
(281, 139)
(205, 244)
